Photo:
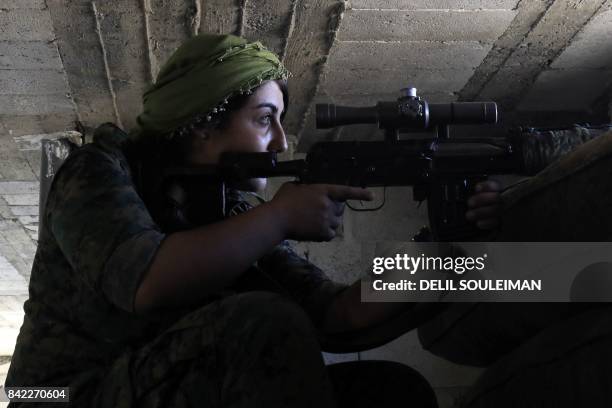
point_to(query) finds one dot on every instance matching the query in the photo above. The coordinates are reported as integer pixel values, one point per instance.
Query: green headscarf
(199, 78)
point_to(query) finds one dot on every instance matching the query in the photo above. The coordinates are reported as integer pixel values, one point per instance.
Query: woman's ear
(203, 150)
(201, 134)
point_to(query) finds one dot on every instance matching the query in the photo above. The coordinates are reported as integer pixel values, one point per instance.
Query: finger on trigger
(343, 193)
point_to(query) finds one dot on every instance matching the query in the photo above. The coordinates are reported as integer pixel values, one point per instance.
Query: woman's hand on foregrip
(484, 207)
(313, 212)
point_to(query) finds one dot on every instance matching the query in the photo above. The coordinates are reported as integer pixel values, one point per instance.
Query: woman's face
(255, 128)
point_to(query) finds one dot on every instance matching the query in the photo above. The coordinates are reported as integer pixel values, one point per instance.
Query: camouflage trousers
(255, 349)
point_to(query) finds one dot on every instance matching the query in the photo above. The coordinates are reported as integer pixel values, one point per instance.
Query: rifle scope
(408, 112)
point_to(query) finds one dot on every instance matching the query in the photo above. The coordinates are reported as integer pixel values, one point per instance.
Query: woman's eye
(265, 120)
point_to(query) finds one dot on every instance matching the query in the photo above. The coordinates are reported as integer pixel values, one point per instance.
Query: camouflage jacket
(96, 242)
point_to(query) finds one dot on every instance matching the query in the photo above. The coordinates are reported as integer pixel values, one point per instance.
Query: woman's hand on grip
(313, 212)
(484, 207)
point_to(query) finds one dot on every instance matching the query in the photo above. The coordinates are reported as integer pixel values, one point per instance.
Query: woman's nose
(279, 140)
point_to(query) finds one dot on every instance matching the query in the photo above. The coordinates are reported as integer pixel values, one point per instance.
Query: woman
(145, 293)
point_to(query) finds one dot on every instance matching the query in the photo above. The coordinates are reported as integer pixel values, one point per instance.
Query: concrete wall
(585, 65)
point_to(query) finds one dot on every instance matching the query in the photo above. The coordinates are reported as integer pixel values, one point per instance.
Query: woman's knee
(262, 314)
(233, 335)
(238, 319)
(266, 339)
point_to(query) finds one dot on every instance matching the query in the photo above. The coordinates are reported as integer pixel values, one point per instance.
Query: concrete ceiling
(68, 61)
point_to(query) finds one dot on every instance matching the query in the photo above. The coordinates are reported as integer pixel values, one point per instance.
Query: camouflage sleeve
(303, 281)
(540, 147)
(101, 225)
